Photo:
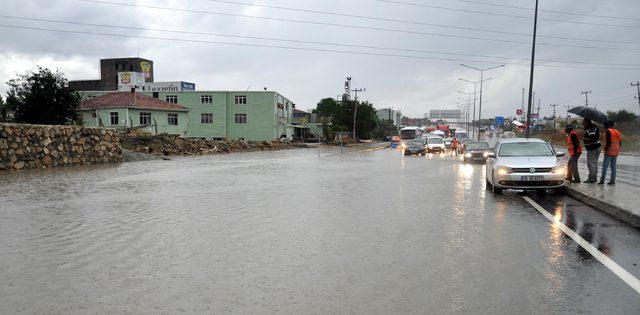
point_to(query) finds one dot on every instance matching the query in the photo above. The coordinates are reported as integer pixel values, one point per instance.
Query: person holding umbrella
(575, 150)
(613, 143)
(591, 140)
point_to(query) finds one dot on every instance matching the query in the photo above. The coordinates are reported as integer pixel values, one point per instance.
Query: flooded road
(299, 231)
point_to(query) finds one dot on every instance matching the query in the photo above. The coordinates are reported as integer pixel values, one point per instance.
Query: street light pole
(475, 92)
(468, 106)
(533, 58)
(481, 87)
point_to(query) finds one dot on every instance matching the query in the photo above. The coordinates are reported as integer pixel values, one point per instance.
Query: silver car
(520, 163)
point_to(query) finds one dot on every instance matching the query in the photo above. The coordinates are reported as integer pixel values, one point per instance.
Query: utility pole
(586, 97)
(481, 80)
(390, 122)
(355, 111)
(533, 60)
(637, 84)
(554, 114)
(522, 105)
(567, 121)
(538, 114)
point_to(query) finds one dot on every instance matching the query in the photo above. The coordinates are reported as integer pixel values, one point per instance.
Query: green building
(253, 116)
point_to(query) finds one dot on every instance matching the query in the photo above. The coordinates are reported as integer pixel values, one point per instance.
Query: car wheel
(495, 190)
(488, 185)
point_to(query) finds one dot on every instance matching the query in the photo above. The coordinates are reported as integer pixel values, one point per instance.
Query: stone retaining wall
(39, 146)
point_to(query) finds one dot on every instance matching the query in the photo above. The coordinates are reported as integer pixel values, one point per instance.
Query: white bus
(409, 133)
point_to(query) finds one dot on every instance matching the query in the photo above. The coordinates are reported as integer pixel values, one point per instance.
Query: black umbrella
(591, 113)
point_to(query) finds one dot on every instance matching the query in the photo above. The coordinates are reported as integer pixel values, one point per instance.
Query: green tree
(621, 116)
(340, 116)
(42, 97)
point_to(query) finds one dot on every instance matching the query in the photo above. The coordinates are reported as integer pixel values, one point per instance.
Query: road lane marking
(628, 278)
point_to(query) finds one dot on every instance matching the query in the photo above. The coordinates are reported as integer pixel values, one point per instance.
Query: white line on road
(628, 278)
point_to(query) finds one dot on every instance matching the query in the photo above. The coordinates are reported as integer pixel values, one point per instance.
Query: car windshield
(435, 141)
(478, 146)
(525, 149)
(415, 142)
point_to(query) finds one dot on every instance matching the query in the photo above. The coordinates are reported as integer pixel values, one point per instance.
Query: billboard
(145, 66)
(129, 80)
(176, 86)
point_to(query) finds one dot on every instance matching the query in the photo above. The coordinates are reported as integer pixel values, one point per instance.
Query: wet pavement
(300, 231)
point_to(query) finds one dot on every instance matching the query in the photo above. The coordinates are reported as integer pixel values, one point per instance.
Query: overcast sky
(412, 84)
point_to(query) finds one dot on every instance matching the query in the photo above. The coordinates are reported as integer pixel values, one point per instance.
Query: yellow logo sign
(125, 77)
(146, 69)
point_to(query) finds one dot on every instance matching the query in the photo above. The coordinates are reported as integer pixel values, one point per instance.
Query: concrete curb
(610, 209)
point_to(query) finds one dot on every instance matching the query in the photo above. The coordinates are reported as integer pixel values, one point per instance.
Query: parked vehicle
(435, 144)
(508, 135)
(524, 164)
(476, 152)
(414, 146)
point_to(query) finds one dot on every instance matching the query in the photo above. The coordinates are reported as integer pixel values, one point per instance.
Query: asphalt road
(301, 231)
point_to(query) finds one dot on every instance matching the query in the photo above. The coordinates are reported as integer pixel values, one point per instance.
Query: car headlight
(467, 155)
(503, 170)
(560, 170)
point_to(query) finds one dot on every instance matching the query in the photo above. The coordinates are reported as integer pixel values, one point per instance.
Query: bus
(409, 133)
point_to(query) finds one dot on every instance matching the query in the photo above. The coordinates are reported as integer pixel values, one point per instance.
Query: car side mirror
(491, 155)
(561, 154)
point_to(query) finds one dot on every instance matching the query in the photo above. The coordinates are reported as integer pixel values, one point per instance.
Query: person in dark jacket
(575, 150)
(591, 140)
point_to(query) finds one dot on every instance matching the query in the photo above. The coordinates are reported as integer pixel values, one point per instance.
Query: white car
(520, 163)
(435, 144)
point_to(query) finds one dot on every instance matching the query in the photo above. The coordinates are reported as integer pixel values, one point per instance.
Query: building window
(114, 118)
(145, 119)
(241, 99)
(206, 118)
(206, 99)
(172, 119)
(171, 99)
(241, 118)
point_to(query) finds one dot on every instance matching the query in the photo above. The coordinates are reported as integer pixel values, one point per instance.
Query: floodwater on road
(297, 231)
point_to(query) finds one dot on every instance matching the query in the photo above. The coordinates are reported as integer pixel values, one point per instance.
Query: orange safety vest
(454, 143)
(616, 141)
(570, 144)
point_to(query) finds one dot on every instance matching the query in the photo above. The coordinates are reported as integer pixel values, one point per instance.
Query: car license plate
(477, 158)
(531, 178)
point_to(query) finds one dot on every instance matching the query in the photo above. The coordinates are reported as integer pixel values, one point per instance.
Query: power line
(299, 48)
(502, 14)
(349, 25)
(549, 11)
(302, 41)
(414, 22)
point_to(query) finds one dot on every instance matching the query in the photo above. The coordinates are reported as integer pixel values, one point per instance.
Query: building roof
(129, 100)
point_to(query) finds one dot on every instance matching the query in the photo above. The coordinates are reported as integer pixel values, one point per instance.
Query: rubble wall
(40, 146)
